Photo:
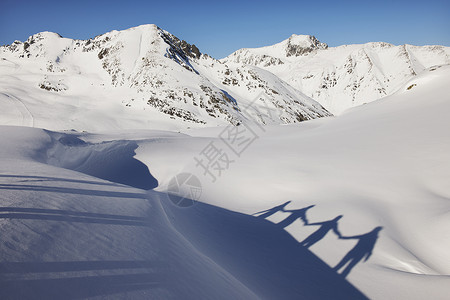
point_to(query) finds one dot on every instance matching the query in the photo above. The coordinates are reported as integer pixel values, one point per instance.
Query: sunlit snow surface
(73, 226)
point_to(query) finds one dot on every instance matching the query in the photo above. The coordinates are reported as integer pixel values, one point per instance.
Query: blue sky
(219, 28)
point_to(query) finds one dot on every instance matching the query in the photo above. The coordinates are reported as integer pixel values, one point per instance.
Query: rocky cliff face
(298, 45)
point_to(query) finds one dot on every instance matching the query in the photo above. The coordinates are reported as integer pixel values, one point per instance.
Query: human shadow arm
(305, 220)
(260, 212)
(355, 237)
(314, 224)
(336, 230)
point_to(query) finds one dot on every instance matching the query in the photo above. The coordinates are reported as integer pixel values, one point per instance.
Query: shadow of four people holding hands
(362, 250)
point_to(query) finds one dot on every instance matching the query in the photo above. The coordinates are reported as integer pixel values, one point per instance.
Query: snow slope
(346, 76)
(69, 235)
(383, 164)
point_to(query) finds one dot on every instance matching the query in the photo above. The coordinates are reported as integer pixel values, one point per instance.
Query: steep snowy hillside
(337, 208)
(143, 74)
(385, 164)
(345, 76)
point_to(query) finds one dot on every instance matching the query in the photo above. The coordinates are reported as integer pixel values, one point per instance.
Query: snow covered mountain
(385, 164)
(348, 207)
(346, 76)
(140, 74)
(77, 222)
(88, 213)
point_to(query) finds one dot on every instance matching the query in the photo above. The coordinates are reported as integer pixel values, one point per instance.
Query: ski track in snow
(27, 117)
(15, 65)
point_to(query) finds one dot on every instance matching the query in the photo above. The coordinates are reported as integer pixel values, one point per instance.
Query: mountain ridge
(152, 69)
(148, 68)
(345, 76)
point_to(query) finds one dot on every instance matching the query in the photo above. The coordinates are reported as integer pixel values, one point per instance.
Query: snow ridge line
(169, 223)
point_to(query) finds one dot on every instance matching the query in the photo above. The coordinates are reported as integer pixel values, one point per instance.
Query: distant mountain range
(342, 77)
(145, 75)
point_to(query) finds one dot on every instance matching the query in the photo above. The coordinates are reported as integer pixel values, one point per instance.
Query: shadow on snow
(113, 161)
(261, 254)
(70, 216)
(73, 283)
(257, 252)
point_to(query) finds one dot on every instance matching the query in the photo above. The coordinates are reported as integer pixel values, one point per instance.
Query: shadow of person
(295, 214)
(268, 212)
(320, 233)
(364, 247)
(261, 255)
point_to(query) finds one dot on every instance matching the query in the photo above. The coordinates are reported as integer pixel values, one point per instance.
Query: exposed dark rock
(103, 53)
(298, 50)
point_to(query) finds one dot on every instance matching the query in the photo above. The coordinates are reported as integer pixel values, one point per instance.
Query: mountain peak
(144, 27)
(44, 35)
(300, 38)
(297, 45)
